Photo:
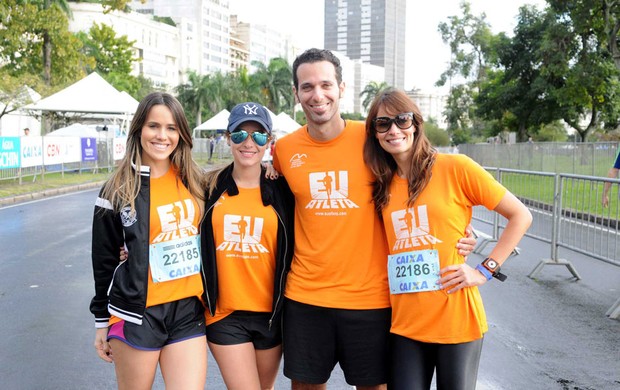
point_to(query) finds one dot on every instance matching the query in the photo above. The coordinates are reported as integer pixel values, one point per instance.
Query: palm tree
(47, 42)
(274, 82)
(193, 94)
(369, 92)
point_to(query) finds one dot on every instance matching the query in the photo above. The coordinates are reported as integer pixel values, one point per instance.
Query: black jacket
(121, 287)
(274, 193)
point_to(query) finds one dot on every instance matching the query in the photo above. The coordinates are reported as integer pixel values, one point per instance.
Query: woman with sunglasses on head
(148, 309)
(247, 241)
(425, 199)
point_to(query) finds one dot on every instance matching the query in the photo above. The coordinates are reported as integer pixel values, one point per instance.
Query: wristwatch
(493, 267)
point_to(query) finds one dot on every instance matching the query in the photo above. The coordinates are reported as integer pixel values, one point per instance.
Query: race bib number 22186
(411, 272)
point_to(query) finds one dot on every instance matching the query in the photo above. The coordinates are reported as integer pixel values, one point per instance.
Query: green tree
(274, 81)
(14, 92)
(44, 7)
(193, 95)
(437, 136)
(24, 27)
(369, 92)
(515, 94)
(111, 53)
(202, 94)
(471, 45)
(580, 66)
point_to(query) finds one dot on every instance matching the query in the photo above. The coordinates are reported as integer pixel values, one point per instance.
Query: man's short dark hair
(316, 55)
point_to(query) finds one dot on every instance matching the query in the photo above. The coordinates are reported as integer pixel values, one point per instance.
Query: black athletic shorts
(316, 338)
(246, 327)
(162, 325)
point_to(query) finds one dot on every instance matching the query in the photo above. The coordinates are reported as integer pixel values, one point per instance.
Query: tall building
(370, 31)
(261, 41)
(205, 30)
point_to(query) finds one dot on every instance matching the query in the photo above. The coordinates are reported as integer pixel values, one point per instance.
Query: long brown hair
(382, 164)
(123, 186)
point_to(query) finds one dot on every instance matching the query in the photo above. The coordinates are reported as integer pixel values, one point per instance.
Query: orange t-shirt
(340, 248)
(437, 221)
(245, 233)
(174, 213)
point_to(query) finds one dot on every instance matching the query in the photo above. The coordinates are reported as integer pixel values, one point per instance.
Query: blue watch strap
(484, 271)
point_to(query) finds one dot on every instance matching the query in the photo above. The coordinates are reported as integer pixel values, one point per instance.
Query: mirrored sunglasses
(238, 136)
(383, 123)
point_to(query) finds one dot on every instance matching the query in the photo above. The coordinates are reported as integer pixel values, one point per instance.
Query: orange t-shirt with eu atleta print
(174, 214)
(340, 248)
(245, 233)
(436, 221)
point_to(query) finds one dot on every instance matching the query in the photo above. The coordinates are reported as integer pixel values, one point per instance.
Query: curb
(47, 193)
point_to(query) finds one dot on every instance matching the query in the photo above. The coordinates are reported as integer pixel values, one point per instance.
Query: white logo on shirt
(298, 160)
(242, 234)
(176, 220)
(412, 228)
(330, 190)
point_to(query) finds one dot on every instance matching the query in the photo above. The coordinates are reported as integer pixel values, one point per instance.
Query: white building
(347, 101)
(156, 45)
(364, 74)
(262, 42)
(206, 24)
(431, 106)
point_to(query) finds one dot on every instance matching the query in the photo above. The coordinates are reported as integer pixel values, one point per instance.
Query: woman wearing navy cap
(247, 244)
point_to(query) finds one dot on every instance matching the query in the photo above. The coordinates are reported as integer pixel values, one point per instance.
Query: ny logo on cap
(250, 110)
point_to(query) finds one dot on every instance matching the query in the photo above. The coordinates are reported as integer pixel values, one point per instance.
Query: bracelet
(484, 271)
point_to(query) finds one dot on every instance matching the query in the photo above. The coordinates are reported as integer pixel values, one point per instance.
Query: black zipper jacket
(121, 287)
(274, 193)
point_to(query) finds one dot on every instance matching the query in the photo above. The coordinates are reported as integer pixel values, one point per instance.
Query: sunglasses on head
(383, 123)
(238, 136)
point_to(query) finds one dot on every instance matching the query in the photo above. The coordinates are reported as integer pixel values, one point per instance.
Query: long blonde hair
(382, 164)
(124, 185)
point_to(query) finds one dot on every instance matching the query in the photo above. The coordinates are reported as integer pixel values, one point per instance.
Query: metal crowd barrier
(567, 213)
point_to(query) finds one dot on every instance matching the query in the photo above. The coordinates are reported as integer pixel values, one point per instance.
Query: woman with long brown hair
(425, 199)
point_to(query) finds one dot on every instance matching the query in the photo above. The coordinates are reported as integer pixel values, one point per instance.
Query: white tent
(91, 95)
(217, 122)
(128, 101)
(284, 124)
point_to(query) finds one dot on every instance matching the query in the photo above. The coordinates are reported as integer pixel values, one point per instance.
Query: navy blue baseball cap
(245, 112)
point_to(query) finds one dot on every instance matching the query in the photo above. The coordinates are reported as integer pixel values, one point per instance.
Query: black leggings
(413, 364)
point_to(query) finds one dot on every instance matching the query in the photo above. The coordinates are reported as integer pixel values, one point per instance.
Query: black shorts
(414, 362)
(162, 325)
(316, 338)
(246, 327)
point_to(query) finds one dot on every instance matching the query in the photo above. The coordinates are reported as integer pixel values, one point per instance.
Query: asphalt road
(549, 333)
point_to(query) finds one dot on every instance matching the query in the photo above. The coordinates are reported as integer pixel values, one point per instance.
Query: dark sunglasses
(238, 136)
(383, 123)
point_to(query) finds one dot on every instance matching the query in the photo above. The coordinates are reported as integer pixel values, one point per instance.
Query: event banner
(9, 152)
(32, 151)
(89, 149)
(58, 150)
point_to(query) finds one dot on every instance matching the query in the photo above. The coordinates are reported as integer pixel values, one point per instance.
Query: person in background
(26, 132)
(337, 307)
(425, 199)
(612, 174)
(247, 241)
(211, 146)
(148, 309)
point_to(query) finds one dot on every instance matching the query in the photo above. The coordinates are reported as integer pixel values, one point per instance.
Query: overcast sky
(304, 19)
